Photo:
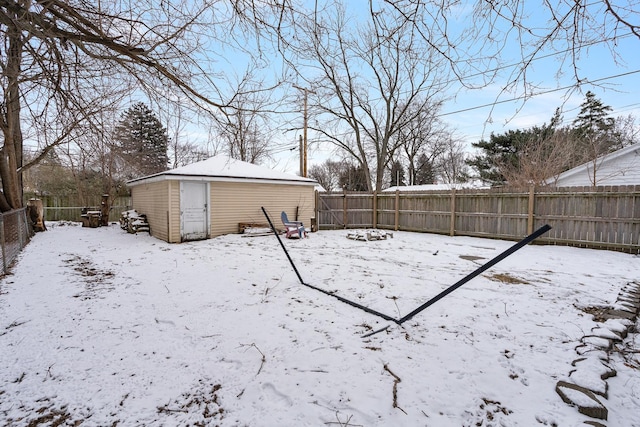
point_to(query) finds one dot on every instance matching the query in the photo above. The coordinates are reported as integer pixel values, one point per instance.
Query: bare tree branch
(371, 75)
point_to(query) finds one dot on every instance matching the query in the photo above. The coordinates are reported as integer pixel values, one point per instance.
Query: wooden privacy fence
(74, 213)
(597, 217)
(55, 208)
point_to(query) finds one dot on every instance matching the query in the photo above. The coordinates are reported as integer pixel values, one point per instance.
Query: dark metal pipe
(351, 303)
(273, 228)
(433, 300)
(539, 232)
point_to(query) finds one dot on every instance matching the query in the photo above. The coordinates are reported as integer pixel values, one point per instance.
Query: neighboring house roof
(432, 187)
(622, 167)
(222, 168)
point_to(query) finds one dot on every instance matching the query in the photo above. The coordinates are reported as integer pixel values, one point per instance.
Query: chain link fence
(14, 235)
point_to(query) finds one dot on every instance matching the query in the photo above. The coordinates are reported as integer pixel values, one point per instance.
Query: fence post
(344, 208)
(452, 218)
(316, 209)
(375, 209)
(397, 213)
(105, 208)
(532, 195)
(3, 243)
(23, 227)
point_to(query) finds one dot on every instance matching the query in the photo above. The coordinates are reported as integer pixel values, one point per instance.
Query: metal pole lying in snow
(530, 238)
(433, 300)
(351, 303)
(273, 228)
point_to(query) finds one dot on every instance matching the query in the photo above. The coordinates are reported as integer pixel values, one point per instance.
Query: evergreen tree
(424, 171)
(595, 134)
(397, 174)
(594, 129)
(142, 141)
(353, 178)
(503, 151)
(500, 150)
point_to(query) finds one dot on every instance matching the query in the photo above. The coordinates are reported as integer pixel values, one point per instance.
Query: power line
(529, 62)
(524, 97)
(537, 58)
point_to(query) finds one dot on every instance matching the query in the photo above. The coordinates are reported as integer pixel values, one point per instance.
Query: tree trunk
(35, 213)
(11, 153)
(104, 210)
(4, 205)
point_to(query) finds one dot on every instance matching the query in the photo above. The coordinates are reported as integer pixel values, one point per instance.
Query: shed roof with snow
(218, 168)
(214, 196)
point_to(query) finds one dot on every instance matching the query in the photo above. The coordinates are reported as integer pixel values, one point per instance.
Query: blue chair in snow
(293, 228)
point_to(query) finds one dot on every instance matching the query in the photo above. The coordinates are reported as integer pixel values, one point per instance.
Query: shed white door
(193, 210)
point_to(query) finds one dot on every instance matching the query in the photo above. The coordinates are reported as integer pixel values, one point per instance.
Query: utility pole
(303, 155)
(304, 136)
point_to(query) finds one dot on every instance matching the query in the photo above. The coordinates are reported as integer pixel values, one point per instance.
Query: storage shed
(212, 197)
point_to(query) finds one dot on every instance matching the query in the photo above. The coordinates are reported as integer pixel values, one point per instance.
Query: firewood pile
(369, 235)
(133, 222)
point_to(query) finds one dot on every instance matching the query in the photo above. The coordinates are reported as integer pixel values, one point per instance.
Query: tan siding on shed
(152, 200)
(174, 211)
(234, 202)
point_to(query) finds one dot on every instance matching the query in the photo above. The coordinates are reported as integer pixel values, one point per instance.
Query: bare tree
(328, 173)
(184, 146)
(56, 54)
(247, 131)
(185, 153)
(370, 78)
(542, 157)
(567, 29)
(87, 155)
(627, 130)
(50, 177)
(424, 137)
(450, 165)
(180, 150)
(321, 174)
(58, 57)
(473, 53)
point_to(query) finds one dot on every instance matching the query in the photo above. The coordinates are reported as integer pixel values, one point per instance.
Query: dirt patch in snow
(45, 415)
(598, 313)
(507, 278)
(490, 413)
(203, 401)
(471, 257)
(95, 280)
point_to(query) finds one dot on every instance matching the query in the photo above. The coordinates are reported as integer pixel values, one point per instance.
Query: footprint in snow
(273, 394)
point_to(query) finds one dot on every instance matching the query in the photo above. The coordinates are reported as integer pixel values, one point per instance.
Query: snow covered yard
(109, 328)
